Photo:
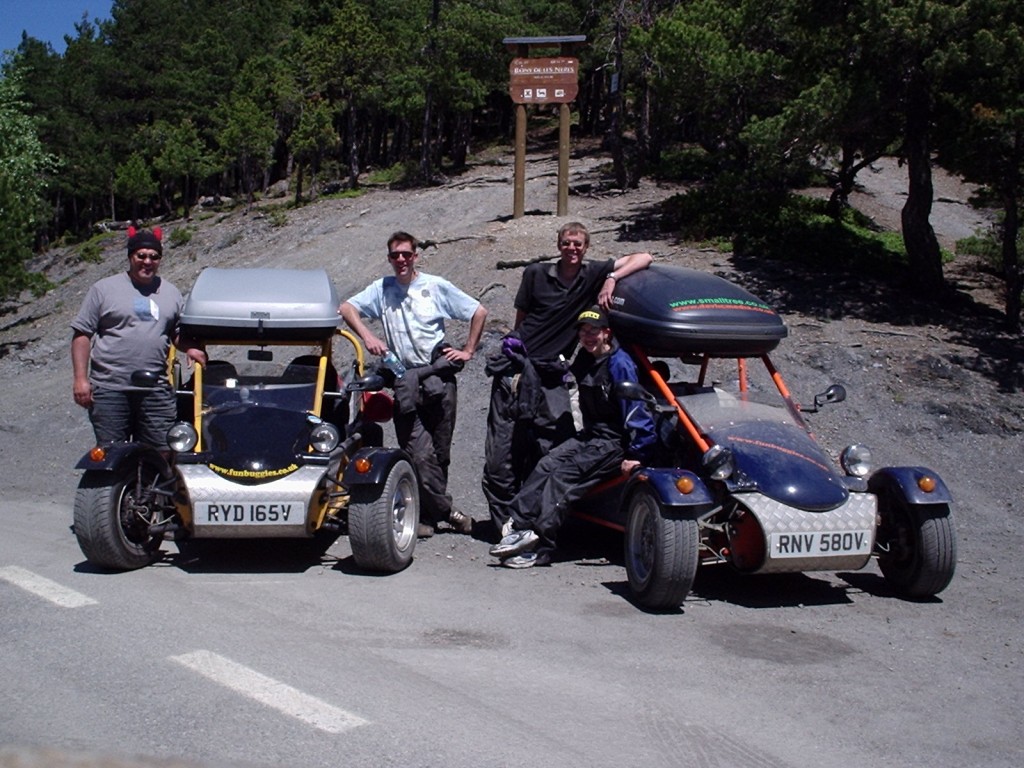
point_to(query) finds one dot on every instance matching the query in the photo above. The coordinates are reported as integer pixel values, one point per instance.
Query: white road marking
(270, 692)
(44, 588)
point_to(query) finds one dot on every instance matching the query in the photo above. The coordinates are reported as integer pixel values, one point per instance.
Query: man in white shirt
(412, 307)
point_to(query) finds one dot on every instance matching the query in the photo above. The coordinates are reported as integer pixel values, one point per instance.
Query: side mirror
(630, 390)
(372, 382)
(148, 379)
(836, 393)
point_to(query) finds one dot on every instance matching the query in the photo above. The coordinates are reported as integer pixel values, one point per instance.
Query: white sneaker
(514, 543)
(506, 528)
(525, 560)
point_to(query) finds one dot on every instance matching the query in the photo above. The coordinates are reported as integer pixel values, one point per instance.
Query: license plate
(248, 512)
(820, 544)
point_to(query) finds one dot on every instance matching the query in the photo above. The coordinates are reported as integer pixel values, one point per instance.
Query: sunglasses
(148, 256)
(396, 255)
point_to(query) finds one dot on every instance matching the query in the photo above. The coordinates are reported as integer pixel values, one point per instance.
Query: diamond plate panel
(857, 514)
(205, 485)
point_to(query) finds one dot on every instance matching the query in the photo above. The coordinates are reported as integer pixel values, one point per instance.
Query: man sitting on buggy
(616, 437)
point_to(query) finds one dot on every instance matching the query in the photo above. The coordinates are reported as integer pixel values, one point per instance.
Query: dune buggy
(740, 480)
(270, 441)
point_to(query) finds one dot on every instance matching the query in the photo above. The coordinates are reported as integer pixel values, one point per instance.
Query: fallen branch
(424, 244)
(515, 263)
(891, 333)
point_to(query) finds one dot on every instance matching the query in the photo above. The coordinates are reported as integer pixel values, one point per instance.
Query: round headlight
(182, 437)
(856, 460)
(719, 462)
(324, 437)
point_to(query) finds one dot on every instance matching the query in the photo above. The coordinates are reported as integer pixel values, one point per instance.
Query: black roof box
(672, 311)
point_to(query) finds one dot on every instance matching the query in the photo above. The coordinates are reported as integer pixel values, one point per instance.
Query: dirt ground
(932, 381)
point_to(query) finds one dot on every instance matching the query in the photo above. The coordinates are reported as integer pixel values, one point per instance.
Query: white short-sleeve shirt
(413, 315)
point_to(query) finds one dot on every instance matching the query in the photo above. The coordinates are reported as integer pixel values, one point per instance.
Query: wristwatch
(611, 276)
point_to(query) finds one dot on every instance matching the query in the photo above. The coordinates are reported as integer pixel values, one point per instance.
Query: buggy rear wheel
(661, 553)
(917, 544)
(382, 521)
(113, 513)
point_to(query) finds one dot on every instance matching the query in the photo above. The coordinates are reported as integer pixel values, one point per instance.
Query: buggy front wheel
(113, 515)
(661, 553)
(916, 543)
(383, 519)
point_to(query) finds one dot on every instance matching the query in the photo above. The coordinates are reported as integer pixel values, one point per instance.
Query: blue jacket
(604, 414)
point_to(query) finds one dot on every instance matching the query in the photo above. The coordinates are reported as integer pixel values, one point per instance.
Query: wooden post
(563, 159)
(519, 183)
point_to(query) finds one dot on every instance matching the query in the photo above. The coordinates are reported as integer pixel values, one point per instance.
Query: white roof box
(261, 304)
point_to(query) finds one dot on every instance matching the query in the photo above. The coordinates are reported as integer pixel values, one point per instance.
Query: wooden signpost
(542, 80)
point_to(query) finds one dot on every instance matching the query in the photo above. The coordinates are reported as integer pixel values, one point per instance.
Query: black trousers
(516, 441)
(425, 434)
(560, 478)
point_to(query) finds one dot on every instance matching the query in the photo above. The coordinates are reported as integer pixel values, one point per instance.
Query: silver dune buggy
(740, 479)
(270, 442)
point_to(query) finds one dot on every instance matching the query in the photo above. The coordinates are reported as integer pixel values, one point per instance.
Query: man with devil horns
(127, 323)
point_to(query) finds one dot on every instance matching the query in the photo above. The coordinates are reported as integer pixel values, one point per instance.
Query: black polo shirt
(551, 308)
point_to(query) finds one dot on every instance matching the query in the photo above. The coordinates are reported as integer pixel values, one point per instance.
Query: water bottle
(391, 361)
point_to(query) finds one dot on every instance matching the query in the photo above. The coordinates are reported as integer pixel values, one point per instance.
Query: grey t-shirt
(131, 328)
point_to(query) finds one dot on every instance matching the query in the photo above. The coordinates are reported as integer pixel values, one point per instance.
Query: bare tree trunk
(298, 182)
(592, 102)
(460, 140)
(846, 176)
(647, 154)
(426, 170)
(353, 147)
(186, 207)
(614, 136)
(1012, 273)
(426, 150)
(649, 151)
(922, 246)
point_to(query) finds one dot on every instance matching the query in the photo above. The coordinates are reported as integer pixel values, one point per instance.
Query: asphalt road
(251, 655)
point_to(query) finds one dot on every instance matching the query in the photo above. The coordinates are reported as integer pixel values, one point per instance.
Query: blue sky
(47, 20)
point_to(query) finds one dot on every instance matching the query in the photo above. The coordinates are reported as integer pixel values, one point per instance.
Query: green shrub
(802, 232)
(277, 217)
(684, 164)
(395, 174)
(180, 236)
(345, 194)
(90, 253)
(987, 246)
(772, 224)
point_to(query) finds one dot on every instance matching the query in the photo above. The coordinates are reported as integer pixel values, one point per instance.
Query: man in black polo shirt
(530, 411)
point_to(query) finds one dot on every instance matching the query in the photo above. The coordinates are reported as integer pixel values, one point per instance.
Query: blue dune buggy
(740, 479)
